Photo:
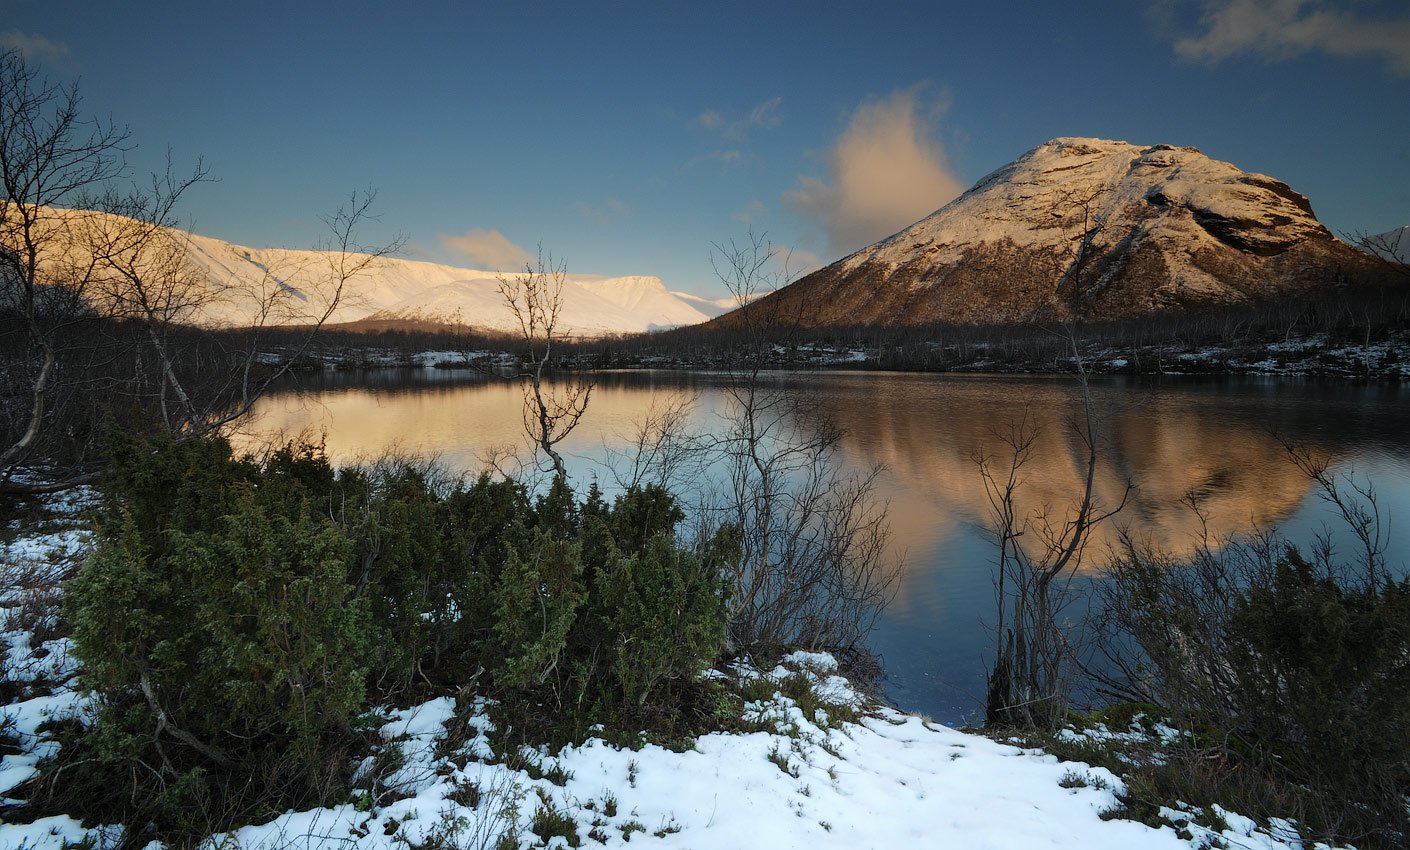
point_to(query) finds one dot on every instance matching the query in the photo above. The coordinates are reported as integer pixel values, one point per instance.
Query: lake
(1219, 438)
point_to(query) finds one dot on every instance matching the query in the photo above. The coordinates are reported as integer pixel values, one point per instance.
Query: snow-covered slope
(709, 306)
(1393, 244)
(237, 280)
(412, 289)
(1105, 227)
(592, 306)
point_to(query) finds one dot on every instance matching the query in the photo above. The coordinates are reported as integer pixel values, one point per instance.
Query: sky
(630, 138)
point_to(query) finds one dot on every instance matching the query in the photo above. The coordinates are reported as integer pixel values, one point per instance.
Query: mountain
(1103, 228)
(1391, 245)
(231, 282)
(399, 289)
(711, 307)
(592, 305)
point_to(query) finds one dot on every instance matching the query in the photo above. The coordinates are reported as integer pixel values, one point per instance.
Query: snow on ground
(889, 780)
(799, 780)
(38, 667)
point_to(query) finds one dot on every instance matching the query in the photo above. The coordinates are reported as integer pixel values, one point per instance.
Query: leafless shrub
(99, 282)
(1392, 249)
(1287, 667)
(51, 155)
(1038, 555)
(815, 569)
(661, 450)
(535, 297)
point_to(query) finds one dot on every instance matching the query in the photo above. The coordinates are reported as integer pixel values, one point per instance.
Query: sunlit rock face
(1104, 228)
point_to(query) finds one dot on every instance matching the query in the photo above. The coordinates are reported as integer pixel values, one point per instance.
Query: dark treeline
(391, 337)
(1342, 318)
(1302, 326)
(107, 377)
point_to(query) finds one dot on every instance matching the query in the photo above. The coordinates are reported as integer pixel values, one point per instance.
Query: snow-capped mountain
(1106, 228)
(709, 306)
(233, 284)
(593, 305)
(1391, 245)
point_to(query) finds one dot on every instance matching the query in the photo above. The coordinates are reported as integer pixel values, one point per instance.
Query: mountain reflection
(1166, 445)
(1218, 440)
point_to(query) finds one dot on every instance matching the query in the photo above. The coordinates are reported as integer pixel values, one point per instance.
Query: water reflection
(1216, 438)
(1165, 445)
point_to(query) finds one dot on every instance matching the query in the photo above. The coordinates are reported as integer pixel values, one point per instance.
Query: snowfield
(888, 780)
(234, 282)
(397, 288)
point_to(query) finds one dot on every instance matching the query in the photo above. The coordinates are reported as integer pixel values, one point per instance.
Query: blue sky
(626, 138)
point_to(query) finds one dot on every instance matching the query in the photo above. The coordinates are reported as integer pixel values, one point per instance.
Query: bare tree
(1039, 553)
(74, 248)
(662, 449)
(535, 297)
(1355, 502)
(241, 373)
(814, 569)
(1078, 215)
(51, 156)
(143, 274)
(203, 378)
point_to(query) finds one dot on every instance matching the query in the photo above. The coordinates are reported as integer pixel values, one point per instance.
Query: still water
(1219, 438)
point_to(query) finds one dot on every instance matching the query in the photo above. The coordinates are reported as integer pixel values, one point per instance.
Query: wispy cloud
(601, 212)
(486, 247)
(724, 158)
(884, 172)
(1282, 29)
(33, 45)
(748, 212)
(764, 115)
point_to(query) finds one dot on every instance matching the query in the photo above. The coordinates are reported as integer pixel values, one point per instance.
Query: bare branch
(551, 412)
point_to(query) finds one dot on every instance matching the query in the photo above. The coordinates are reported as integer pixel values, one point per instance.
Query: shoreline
(1314, 356)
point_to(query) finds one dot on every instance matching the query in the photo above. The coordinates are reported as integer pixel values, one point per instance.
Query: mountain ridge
(1090, 227)
(231, 283)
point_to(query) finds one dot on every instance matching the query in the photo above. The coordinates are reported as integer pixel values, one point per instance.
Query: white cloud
(1282, 29)
(33, 45)
(487, 247)
(883, 173)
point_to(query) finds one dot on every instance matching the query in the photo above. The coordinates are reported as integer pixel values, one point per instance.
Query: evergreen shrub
(239, 618)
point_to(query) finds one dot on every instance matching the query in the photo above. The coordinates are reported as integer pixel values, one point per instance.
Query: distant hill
(397, 292)
(1103, 228)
